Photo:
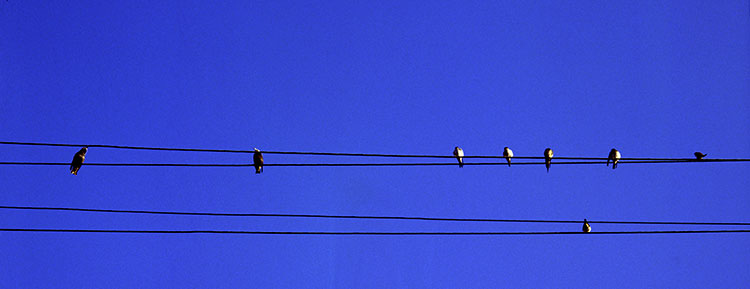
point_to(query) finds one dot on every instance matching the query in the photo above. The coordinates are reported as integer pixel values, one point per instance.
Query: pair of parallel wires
(569, 160)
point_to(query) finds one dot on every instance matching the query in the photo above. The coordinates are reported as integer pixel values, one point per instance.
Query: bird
(459, 153)
(586, 226)
(507, 153)
(699, 155)
(614, 155)
(547, 158)
(258, 161)
(77, 162)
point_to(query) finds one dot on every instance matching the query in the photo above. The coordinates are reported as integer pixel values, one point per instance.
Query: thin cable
(125, 147)
(325, 153)
(366, 164)
(359, 233)
(363, 217)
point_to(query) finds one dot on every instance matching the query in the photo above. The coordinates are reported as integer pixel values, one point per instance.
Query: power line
(363, 217)
(359, 233)
(327, 153)
(367, 164)
(125, 147)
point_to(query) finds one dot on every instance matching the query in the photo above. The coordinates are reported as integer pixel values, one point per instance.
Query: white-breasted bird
(258, 161)
(77, 162)
(586, 226)
(614, 156)
(459, 153)
(548, 158)
(699, 155)
(507, 153)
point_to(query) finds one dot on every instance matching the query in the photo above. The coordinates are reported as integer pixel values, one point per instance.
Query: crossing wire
(361, 233)
(365, 217)
(321, 153)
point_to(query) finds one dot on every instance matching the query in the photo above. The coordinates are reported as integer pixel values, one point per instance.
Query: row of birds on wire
(614, 157)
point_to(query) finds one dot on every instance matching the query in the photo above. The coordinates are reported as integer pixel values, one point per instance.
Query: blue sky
(651, 78)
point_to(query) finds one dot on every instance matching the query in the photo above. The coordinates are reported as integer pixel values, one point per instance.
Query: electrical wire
(365, 217)
(366, 164)
(327, 153)
(360, 233)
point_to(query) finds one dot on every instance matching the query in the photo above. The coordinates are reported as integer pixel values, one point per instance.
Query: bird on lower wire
(614, 155)
(548, 158)
(507, 153)
(258, 161)
(586, 226)
(77, 162)
(459, 153)
(699, 155)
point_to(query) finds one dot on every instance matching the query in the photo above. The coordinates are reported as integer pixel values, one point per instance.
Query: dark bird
(258, 161)
(699, 155)
(614, 156)
(548, 158)
(459, 153)
(586, 227)
(78, 161)
(507, 153)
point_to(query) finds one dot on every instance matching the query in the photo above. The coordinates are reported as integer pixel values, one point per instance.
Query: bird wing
(78, 159)
(77, 162)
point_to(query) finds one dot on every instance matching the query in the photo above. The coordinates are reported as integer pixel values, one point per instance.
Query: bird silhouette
(699, 155)
(548, 158)
(258, 161)
(614, 155)
(77, 162)
(459, 153)
(586, 226)
(507, 153)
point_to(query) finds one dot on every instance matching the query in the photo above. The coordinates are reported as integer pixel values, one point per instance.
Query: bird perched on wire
(507, 153)
(258, 161)
(699, 155)
(586, 227)
(614, 156)
(548, 158)
(78, 161)
(459, 153)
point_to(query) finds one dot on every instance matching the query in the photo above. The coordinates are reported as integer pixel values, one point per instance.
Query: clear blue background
(651, 78)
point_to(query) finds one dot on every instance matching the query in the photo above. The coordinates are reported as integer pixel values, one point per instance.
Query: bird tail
(508, 161)
(547, 164)
(461, 164)
(614, 164)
